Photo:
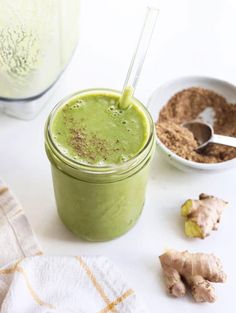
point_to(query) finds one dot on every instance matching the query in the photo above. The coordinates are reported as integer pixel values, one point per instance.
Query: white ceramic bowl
(161, 96)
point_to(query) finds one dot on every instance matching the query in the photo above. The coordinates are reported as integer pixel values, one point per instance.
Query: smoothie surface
(91, 129)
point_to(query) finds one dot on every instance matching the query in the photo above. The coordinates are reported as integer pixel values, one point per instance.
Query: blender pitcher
(37, 40)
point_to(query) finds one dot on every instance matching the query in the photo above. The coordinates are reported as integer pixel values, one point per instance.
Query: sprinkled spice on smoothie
(88, 146)
(94, 130)
(190, 104)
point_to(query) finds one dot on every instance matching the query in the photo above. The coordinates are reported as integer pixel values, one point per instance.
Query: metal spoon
(204, 134)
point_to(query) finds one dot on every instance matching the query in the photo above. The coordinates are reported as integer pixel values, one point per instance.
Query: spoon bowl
(204, 134)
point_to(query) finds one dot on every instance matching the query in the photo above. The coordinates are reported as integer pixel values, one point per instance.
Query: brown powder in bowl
(179, 139)
(188, 105)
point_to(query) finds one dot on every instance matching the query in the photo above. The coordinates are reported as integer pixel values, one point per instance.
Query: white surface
(192, 38)
(161, 96)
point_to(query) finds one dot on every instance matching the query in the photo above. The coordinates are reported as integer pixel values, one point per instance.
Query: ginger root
(203, 215)
(195, 270)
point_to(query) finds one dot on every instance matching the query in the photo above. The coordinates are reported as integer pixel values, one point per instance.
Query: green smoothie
(92, 129)
(100, 156)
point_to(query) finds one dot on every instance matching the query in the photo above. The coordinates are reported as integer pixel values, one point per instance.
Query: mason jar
(99, 203)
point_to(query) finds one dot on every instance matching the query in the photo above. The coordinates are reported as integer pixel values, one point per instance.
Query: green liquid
(92, 129)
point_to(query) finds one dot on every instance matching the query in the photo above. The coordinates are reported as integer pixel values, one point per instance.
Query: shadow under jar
(102, 200)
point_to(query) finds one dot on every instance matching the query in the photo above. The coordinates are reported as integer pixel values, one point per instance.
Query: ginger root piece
(195, 270)
(203, 215)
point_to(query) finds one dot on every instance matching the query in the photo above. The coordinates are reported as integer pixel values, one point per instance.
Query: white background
(192, 37)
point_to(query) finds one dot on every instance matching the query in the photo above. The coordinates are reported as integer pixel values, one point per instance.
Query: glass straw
(139, 56)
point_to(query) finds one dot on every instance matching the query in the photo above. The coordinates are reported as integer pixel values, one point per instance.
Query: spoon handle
(224, 140)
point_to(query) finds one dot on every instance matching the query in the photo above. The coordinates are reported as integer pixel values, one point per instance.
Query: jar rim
(111, 168)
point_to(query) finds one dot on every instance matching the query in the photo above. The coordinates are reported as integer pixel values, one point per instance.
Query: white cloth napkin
(33, 283)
